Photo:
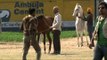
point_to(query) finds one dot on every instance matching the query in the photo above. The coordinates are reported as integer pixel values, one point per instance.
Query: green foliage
(17, 36)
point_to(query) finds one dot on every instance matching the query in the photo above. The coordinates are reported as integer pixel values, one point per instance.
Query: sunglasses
(101, 7)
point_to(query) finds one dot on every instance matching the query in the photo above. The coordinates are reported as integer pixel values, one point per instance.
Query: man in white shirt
(56, 27)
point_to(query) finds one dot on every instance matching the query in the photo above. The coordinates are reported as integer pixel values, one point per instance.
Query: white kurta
(57, 22)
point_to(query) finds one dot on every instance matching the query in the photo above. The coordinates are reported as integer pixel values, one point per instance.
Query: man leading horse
(29, 30)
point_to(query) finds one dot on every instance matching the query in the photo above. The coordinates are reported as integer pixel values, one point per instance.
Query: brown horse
(43, 27)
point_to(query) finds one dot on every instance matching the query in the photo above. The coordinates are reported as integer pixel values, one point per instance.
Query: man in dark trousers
(89, 19)
(56, 27)
(29, 32)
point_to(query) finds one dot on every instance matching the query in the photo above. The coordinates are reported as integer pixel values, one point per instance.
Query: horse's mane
(40, 16)
(81, 10)
(43, 22)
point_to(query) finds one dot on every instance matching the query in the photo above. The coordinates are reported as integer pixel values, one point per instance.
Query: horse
(80, 24)
(43, 27)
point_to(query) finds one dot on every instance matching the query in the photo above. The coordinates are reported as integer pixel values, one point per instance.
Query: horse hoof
(81, 45)
(78, 45)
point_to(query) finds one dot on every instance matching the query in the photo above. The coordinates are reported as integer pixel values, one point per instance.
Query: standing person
(101, 31)
(89, 19)
(29, 32)
(56, 27)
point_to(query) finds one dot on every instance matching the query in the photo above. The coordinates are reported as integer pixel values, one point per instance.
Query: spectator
(101, 31)
(89, 19)
(56, 27)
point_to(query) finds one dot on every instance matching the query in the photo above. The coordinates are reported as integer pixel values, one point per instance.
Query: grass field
(17, 36)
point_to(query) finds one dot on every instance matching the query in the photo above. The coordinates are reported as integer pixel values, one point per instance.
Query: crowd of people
(29, 33)
(100, 30)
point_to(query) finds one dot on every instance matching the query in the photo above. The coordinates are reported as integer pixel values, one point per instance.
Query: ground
(69, 51)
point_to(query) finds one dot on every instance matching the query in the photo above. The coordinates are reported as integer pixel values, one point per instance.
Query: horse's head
(78, 10)
(40, 17)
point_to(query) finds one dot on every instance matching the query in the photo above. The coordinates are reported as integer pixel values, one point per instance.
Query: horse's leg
(87, 41)
(38, 38)
(81, 35)
(44, 42)
(85, 32)
(77, 38)
(86, 38)
(50, 41)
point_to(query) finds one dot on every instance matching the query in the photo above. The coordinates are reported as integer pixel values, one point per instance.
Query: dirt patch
(69, 51)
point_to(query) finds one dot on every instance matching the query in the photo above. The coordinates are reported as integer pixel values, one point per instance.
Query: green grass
(68, 34)
(11, 36)
(17, 36)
